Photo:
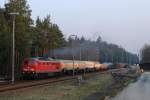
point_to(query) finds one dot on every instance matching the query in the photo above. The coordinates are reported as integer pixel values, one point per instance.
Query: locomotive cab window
(43, 58)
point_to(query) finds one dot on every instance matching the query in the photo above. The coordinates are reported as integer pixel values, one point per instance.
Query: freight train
(34, 67)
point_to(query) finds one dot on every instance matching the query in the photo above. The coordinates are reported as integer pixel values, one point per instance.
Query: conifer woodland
(42, 37)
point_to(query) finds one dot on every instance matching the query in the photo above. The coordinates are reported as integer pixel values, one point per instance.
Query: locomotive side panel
(48, 67)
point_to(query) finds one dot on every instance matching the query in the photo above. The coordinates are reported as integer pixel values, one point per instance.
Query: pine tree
(23, 22)
(48, 35)
(22, 30)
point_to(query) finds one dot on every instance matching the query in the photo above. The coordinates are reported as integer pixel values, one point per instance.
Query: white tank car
(69, 65)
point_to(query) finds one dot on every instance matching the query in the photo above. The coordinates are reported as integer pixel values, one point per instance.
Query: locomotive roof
(41, 58)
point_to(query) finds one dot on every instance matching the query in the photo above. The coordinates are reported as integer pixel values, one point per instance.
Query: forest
(42, 37)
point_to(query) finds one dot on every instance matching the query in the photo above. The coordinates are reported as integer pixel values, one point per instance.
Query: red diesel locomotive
(41, 65)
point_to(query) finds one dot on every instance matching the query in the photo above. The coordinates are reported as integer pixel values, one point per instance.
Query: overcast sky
(123, 22)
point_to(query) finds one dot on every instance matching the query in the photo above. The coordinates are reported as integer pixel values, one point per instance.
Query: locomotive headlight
(32, 69)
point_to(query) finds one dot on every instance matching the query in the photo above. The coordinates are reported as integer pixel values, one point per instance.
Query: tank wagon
(41, 65)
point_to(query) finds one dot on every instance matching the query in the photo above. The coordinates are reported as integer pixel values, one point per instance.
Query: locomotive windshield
(44, 58)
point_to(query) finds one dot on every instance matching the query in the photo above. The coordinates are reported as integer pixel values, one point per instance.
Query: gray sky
(123, 22)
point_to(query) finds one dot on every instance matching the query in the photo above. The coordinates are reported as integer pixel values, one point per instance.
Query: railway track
(25, 84)
(33, 83)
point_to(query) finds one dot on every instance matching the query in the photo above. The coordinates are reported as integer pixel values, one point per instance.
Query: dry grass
(61, 91)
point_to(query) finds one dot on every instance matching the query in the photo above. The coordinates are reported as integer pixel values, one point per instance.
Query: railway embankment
(100, 86)
(119, 80)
